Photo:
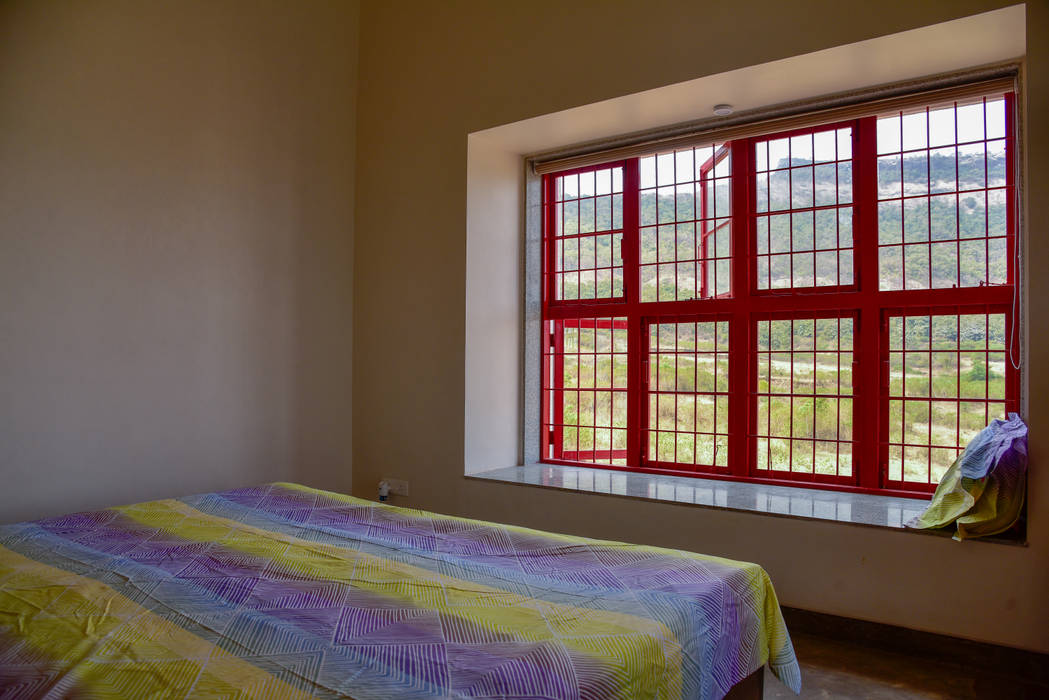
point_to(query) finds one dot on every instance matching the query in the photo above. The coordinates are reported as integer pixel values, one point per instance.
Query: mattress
(282, 591)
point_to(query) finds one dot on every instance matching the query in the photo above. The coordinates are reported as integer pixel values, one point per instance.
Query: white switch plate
(398, 487)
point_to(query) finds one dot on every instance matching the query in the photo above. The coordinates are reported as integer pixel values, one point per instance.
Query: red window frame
(550, 267)
(553, 410)
(755, 395)
(1011, 389)
(745, 304)
(649, 461)
(755, 212)
(709, 235)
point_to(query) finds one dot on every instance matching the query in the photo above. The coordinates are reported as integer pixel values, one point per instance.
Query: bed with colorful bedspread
(281, 591)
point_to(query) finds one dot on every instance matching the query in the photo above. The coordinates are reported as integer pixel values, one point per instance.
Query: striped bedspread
(281, 591)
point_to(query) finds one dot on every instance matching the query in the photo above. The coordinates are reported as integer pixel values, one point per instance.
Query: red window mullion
(549, 248)
(546, 430)
(642, 400)
(1012, 249)
(1010, 188)
(706, 174)
(740, 408)
(704, 230)
(1012, 375)
(802, 303)
(558, 343)
(631, 248)
(870, 448)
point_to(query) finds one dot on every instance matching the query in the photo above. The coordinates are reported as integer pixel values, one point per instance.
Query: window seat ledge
(866, 510)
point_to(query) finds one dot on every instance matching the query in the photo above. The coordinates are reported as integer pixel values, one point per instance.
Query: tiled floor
(832, 669)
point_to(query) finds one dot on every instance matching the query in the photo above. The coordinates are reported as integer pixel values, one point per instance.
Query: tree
(980, 372)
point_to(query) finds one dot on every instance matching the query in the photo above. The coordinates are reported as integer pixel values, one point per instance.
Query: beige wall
(433, 72)
(176, 219)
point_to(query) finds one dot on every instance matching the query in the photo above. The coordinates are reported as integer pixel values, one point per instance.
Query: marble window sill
(783, 501)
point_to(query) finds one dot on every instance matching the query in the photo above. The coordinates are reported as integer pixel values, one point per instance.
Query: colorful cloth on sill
(282, 591)
(983, 491)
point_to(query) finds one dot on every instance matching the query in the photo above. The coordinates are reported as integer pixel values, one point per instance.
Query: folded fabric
(983, 491)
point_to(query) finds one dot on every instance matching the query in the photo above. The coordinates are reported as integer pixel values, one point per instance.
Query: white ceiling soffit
(987, 38)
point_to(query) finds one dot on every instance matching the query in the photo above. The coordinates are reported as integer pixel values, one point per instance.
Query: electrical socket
(398, 487)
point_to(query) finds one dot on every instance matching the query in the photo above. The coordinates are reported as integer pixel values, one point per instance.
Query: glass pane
(584, 389)
(804, 381)
(809, 178)
(958, 155)
(946, 381)
(688, 393)
(684, 203)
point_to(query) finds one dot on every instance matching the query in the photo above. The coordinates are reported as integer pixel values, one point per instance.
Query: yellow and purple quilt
(281, 591)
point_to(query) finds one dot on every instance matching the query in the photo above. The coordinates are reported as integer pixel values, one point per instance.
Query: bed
(282, 591)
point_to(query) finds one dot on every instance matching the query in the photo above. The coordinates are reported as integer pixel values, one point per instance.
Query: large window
(829, 305)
